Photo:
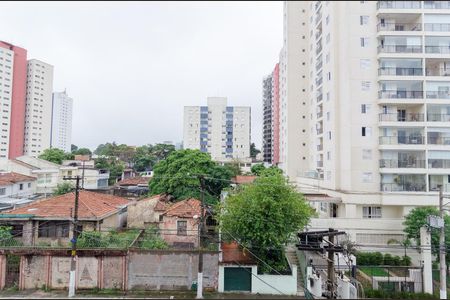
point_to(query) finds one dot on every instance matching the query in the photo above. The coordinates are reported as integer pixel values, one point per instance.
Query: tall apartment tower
(218, 129)
(38, 113)
(371, 110)
(61, 129)
(267, 119)
(13, 76)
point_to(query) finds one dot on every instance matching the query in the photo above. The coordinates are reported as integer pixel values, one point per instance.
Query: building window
(365, 108)
(329, 135)
(29, 184)
(327, 20)
(367, 154)
(329, 155)
(21, 186)
(365, 86)
(367, 177)
(54, 229)
(329, 76)
(328, 96)
(181, 227)
(366, 131)
(2, 191)
(364, 42)
(371, 212)
(364, 20)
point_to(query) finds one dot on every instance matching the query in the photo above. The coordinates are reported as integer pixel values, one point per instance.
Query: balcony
(319, 147)
(438, 139)
(396, 117)
(319, 48)
(319, 97)
(398, 4)
(441, 27)
(319, 131)
(438, 117)
(320, 163)
(439, 163)
(319, 81)
(400, 49)
(438, 95)
(402, 140)
(403, 187)
(319, 65)
(397, 71)
(399, 27)
(436, 4)
(437, 49)
(411, 162)
(319, 114)
(398, 94)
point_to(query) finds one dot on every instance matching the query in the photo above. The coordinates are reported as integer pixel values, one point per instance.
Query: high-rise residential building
(38, 113)
(365, 96)
(218, 129)
(275, 115)
(61, 121)
(267, 119)
(13, 77)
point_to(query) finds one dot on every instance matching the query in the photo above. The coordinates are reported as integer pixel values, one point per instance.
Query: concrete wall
(142, 212)
(169, 230)
(171, 270)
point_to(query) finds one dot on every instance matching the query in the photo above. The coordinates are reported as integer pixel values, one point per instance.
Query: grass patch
(374, 271)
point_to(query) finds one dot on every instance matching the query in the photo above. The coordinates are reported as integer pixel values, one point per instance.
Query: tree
(73, 147)
(113, 165)
(162, 151)
(177, 175)
(55, 155)
(264, 217)
(253, 150)
(257, 169)
(63, 188)
(82, 151)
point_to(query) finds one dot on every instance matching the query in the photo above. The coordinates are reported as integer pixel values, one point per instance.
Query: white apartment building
(6, 80)
(218, 129)
(38, 113)
(364, 89)
(61, 137)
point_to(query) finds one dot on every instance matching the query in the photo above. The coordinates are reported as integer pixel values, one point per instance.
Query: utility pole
(200, 244)
(331, 270)
(82, 178)
(73, 263)
(442, 252)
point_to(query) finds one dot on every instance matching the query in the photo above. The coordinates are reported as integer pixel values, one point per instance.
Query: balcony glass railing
(438, 140)
(439, 163)
(396, 94)
(438, 71)
(408, 117)
(398, 4)
(437, 27)
(438, 49)
(402, 140)
(400, 49)
(436, 4)
(438, 94)
(404, 187)
(399, 27)
(397, 71)
(411, 162)
(438, 117)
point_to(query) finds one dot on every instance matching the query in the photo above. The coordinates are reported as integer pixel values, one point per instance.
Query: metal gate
(12, 271)
(237, 279)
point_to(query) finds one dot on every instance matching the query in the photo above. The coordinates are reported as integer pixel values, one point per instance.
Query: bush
(396, 261)
(377, 258)
(381, 294)
(388, 259)
(406, 261)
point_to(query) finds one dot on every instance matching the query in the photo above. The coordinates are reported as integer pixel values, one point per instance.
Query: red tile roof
(11, 178)
(91, 206)
(241, 179)
(185, 209)
(138, 180)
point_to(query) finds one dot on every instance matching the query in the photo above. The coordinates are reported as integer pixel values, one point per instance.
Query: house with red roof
(146, 212)
(50, 220)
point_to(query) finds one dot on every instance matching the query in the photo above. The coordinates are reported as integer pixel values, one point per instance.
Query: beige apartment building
(365, 110)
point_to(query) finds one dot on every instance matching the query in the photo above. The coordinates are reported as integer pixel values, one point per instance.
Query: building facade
(267, 119)
(372, 124)
(218, 129)
(38, 113)
(13, 77)
(61, 127)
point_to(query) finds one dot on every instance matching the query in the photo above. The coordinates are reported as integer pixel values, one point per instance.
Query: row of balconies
(414, 139)
(435, 49)
(400, 71)
(413, 117)
(412, 187)
(402, 94)
(414, 162)
(413, 5)
(438, 27)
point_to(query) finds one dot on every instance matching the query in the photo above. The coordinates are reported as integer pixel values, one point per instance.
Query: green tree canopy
(63, 188)
(264, 217)
(253, 150)
(113, 165)
(257, 169)
(82, 151)
(177, 175)
(73, 147)
(55, 155)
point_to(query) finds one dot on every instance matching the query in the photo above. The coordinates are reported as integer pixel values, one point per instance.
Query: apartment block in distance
(13, 80)
(218, 129)
(371, 94)
(61, 129)
(38, 113)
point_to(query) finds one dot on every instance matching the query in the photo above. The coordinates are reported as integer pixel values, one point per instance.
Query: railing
(403, 187)
(318, 5)
(395, 117)
(438, 94)
(319, 48)
(320, 164)
(396, 71)
(319, 81)
(318, 18)
(400, 49)
(438, 140)
(437, 4)
(438, 71)
(319, 114)
(437, 49)
(318, 34)
(402, 140)
(398, 4)
(438, 117)
(437, 27)
(399, 27)
(319, 65)
(410, 162)
(319, 98)
(394, 94)
(319, 131)
(319, 147)
(439, 163)
(445, 187)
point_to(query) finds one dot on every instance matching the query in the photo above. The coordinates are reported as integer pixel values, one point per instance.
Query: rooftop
(138, 180)
(185, 209)
(11, 178)
(241, 179)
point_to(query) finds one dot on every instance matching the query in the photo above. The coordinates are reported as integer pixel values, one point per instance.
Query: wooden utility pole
(442, 252)
(200, 244)
(73, 263)
(331, 271)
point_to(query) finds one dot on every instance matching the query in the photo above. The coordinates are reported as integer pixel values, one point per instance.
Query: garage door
(238, 279)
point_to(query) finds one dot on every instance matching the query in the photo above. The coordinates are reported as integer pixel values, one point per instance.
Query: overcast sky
(131, 66)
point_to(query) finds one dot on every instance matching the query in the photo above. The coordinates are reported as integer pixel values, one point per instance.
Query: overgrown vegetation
(379, 259)
(382, 294)
(150, 239)
(111, 239)
(63, 188)
(7, 238)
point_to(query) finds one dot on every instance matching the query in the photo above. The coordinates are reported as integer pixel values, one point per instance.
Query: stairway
(292, 258)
